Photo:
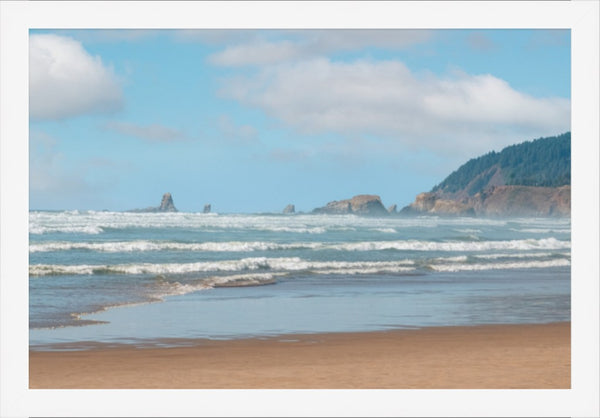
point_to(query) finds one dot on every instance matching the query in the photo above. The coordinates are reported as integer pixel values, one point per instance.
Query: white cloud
(258, 53)
(65, 80)
(268, 47)
(350, 39)
(153, 132)
(385, 98)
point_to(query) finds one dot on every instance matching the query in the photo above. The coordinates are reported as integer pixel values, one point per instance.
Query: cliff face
(524, 201)
(360, 205)
(497, 201)
(431, 203)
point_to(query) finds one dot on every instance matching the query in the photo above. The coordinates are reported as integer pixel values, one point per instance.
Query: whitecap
(500, 266)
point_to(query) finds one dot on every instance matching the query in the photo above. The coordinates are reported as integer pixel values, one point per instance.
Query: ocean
(167, 278)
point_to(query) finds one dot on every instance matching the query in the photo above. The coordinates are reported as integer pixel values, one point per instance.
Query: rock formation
(166, 205)
(430, 203)
(497, 201)
(207, 208)
(360, 205)
(289, 209)
(523, 201)
(393, 209)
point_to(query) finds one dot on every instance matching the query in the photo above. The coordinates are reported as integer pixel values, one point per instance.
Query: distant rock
(289, 209)
(207, 208)
(166, 205)
(430, 203)
(393, 209)
(369, 205)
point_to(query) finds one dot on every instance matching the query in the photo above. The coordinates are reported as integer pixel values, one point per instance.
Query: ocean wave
(235, 280)
(94, 222)
(543, 230)
(296, 264)
(245, 264)
(500, 266)
(366, 270)
(468, 230)
(243, 246)
(143, 245)
(451, 246)
(522, 255)
(385, 230)
(70, 229)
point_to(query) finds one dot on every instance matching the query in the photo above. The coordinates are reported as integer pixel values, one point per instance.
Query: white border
(18, 17)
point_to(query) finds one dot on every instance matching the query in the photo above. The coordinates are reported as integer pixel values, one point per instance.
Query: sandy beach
(476, 357)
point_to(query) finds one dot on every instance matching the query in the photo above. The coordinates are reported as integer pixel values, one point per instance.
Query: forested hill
(544, 162)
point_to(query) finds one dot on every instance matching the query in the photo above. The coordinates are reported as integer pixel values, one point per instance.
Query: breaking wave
(296, 264)
(246, 264)
(502, 266)
(242, 246)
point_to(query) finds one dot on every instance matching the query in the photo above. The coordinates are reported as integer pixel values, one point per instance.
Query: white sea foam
(286, 264)
(414, 245)
(92, 222)
(235, 280)
(367, 270)
(501, 266)
(543, 230)
(522, 255)
(242, 280)
(385, 230)
(245, 264)
(143, 245)
(469, 230)
(459, 258)
(82, 229)
(243, 246)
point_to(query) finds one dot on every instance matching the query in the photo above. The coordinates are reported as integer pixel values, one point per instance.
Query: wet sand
(477, 357)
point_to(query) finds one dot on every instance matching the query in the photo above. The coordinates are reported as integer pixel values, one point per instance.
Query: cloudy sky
(251, 120)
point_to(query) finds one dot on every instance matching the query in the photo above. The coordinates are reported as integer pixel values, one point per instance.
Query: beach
(536, 356)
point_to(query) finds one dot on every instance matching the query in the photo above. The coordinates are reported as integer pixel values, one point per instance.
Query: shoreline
(511, 356)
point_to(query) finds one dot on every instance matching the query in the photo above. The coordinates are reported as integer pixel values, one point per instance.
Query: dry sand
(478, 357)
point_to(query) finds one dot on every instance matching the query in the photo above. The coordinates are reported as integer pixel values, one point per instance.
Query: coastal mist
(162, 278)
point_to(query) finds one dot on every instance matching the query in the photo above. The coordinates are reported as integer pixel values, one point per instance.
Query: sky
(252, 120)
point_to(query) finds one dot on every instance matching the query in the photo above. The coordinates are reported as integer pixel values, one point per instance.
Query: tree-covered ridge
(544, 162)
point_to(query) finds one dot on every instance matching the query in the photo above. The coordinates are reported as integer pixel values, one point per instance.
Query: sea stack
(289, 209)
(207, 208)
(393, 209)
(364, 204)
(166, 205)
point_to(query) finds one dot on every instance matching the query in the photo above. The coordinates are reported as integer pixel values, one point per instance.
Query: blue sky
(252, 120)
